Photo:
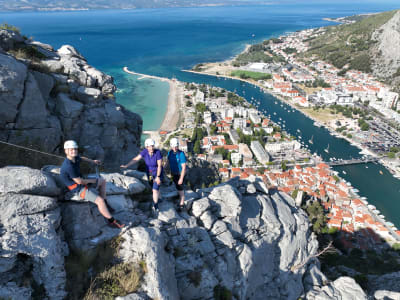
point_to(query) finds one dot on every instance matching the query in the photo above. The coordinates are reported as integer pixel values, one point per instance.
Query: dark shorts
(175, 179)
(153, 183)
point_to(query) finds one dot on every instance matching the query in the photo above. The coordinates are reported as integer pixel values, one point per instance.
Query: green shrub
(222, 293)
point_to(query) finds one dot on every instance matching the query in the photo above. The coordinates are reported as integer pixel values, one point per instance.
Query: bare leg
(101, 204)
(102, 188)
(182, 197)
(155, 196)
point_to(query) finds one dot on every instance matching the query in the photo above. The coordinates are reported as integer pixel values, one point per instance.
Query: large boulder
(25, 180)
(148, 244)
(341, 288)
(31, 250)
(12, 80)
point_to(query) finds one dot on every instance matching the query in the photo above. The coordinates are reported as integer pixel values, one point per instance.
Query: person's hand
(97, 162)
(158, 180)
(123, 166)
(180, 181)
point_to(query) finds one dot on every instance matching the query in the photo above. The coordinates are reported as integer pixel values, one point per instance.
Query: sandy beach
(171, 116)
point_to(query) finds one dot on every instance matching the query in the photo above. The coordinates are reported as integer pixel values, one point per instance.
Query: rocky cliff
(48, 96)
(386, 54)
(235, 240)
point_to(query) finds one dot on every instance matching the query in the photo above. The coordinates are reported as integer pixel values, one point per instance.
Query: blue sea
(162, 42)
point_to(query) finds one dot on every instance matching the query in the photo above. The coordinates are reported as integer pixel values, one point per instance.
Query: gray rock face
(387, 57)
(32, 111)
(9, 39)
(41, 110)
(385, 286)
(24, 180)
(30, 247)
(341, 288)
(12, 81)
(148, 244)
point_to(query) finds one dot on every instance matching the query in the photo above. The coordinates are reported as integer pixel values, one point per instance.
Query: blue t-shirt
(71, 170)
(151, 161)
(176, 159)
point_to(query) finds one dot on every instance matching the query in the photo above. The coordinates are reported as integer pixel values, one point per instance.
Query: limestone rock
(386, 282)
(130, 184)
(27, 181)
(67, 107)
(30, 225)
(387, 57)
(9, 39)
(67, 50)
(148, 244)
(32, 111)
(87, 95)
(200, 206)
(227, 200)
(341, 288)
(45, 83)
(386, 295)
(12, 80)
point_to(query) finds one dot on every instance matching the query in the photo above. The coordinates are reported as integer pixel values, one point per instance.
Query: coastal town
(224, 129)
(353, 105)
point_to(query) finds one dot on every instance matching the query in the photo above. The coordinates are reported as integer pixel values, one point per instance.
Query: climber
(87, 189)
(154, 169)
(177, 165)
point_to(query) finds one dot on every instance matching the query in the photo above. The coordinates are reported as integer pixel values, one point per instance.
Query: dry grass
(119, 280)
(322, 115)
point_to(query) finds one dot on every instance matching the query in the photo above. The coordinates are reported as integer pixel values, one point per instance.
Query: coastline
(330, 129)
(171, 115)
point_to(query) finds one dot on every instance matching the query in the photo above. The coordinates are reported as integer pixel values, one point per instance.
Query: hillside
(368, 45)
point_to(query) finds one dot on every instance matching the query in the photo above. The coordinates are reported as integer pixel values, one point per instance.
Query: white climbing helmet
(174, 142)
(70, 145)
(149, 142)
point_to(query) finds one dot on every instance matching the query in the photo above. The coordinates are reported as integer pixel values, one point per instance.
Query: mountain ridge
(60, 5)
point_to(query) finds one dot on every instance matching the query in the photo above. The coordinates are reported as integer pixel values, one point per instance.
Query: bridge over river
(354, 161)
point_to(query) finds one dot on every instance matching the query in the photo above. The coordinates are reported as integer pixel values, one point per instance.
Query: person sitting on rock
(177, 165)
(87, 189)
(154, 169)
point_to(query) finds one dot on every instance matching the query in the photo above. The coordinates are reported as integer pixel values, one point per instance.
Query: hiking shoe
(116, 224)
(181, 207)
(154, 211)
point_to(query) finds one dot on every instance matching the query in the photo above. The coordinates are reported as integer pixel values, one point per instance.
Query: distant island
(75, 5)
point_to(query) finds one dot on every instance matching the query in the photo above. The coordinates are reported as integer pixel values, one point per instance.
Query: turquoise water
(162, 42)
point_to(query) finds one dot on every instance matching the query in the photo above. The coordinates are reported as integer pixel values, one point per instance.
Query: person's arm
(182, 173)
(93, 161)
(82, 181)
(159, 169)
(133, 160)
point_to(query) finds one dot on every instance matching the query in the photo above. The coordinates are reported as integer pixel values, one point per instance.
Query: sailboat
(327, 149)
(311, 140)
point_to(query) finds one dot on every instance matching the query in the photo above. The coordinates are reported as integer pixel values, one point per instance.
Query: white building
(239, 123)
(247, 131)
(255, 118)
(207, 117)
(261, 155)
(236, 158)
(199, 97)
